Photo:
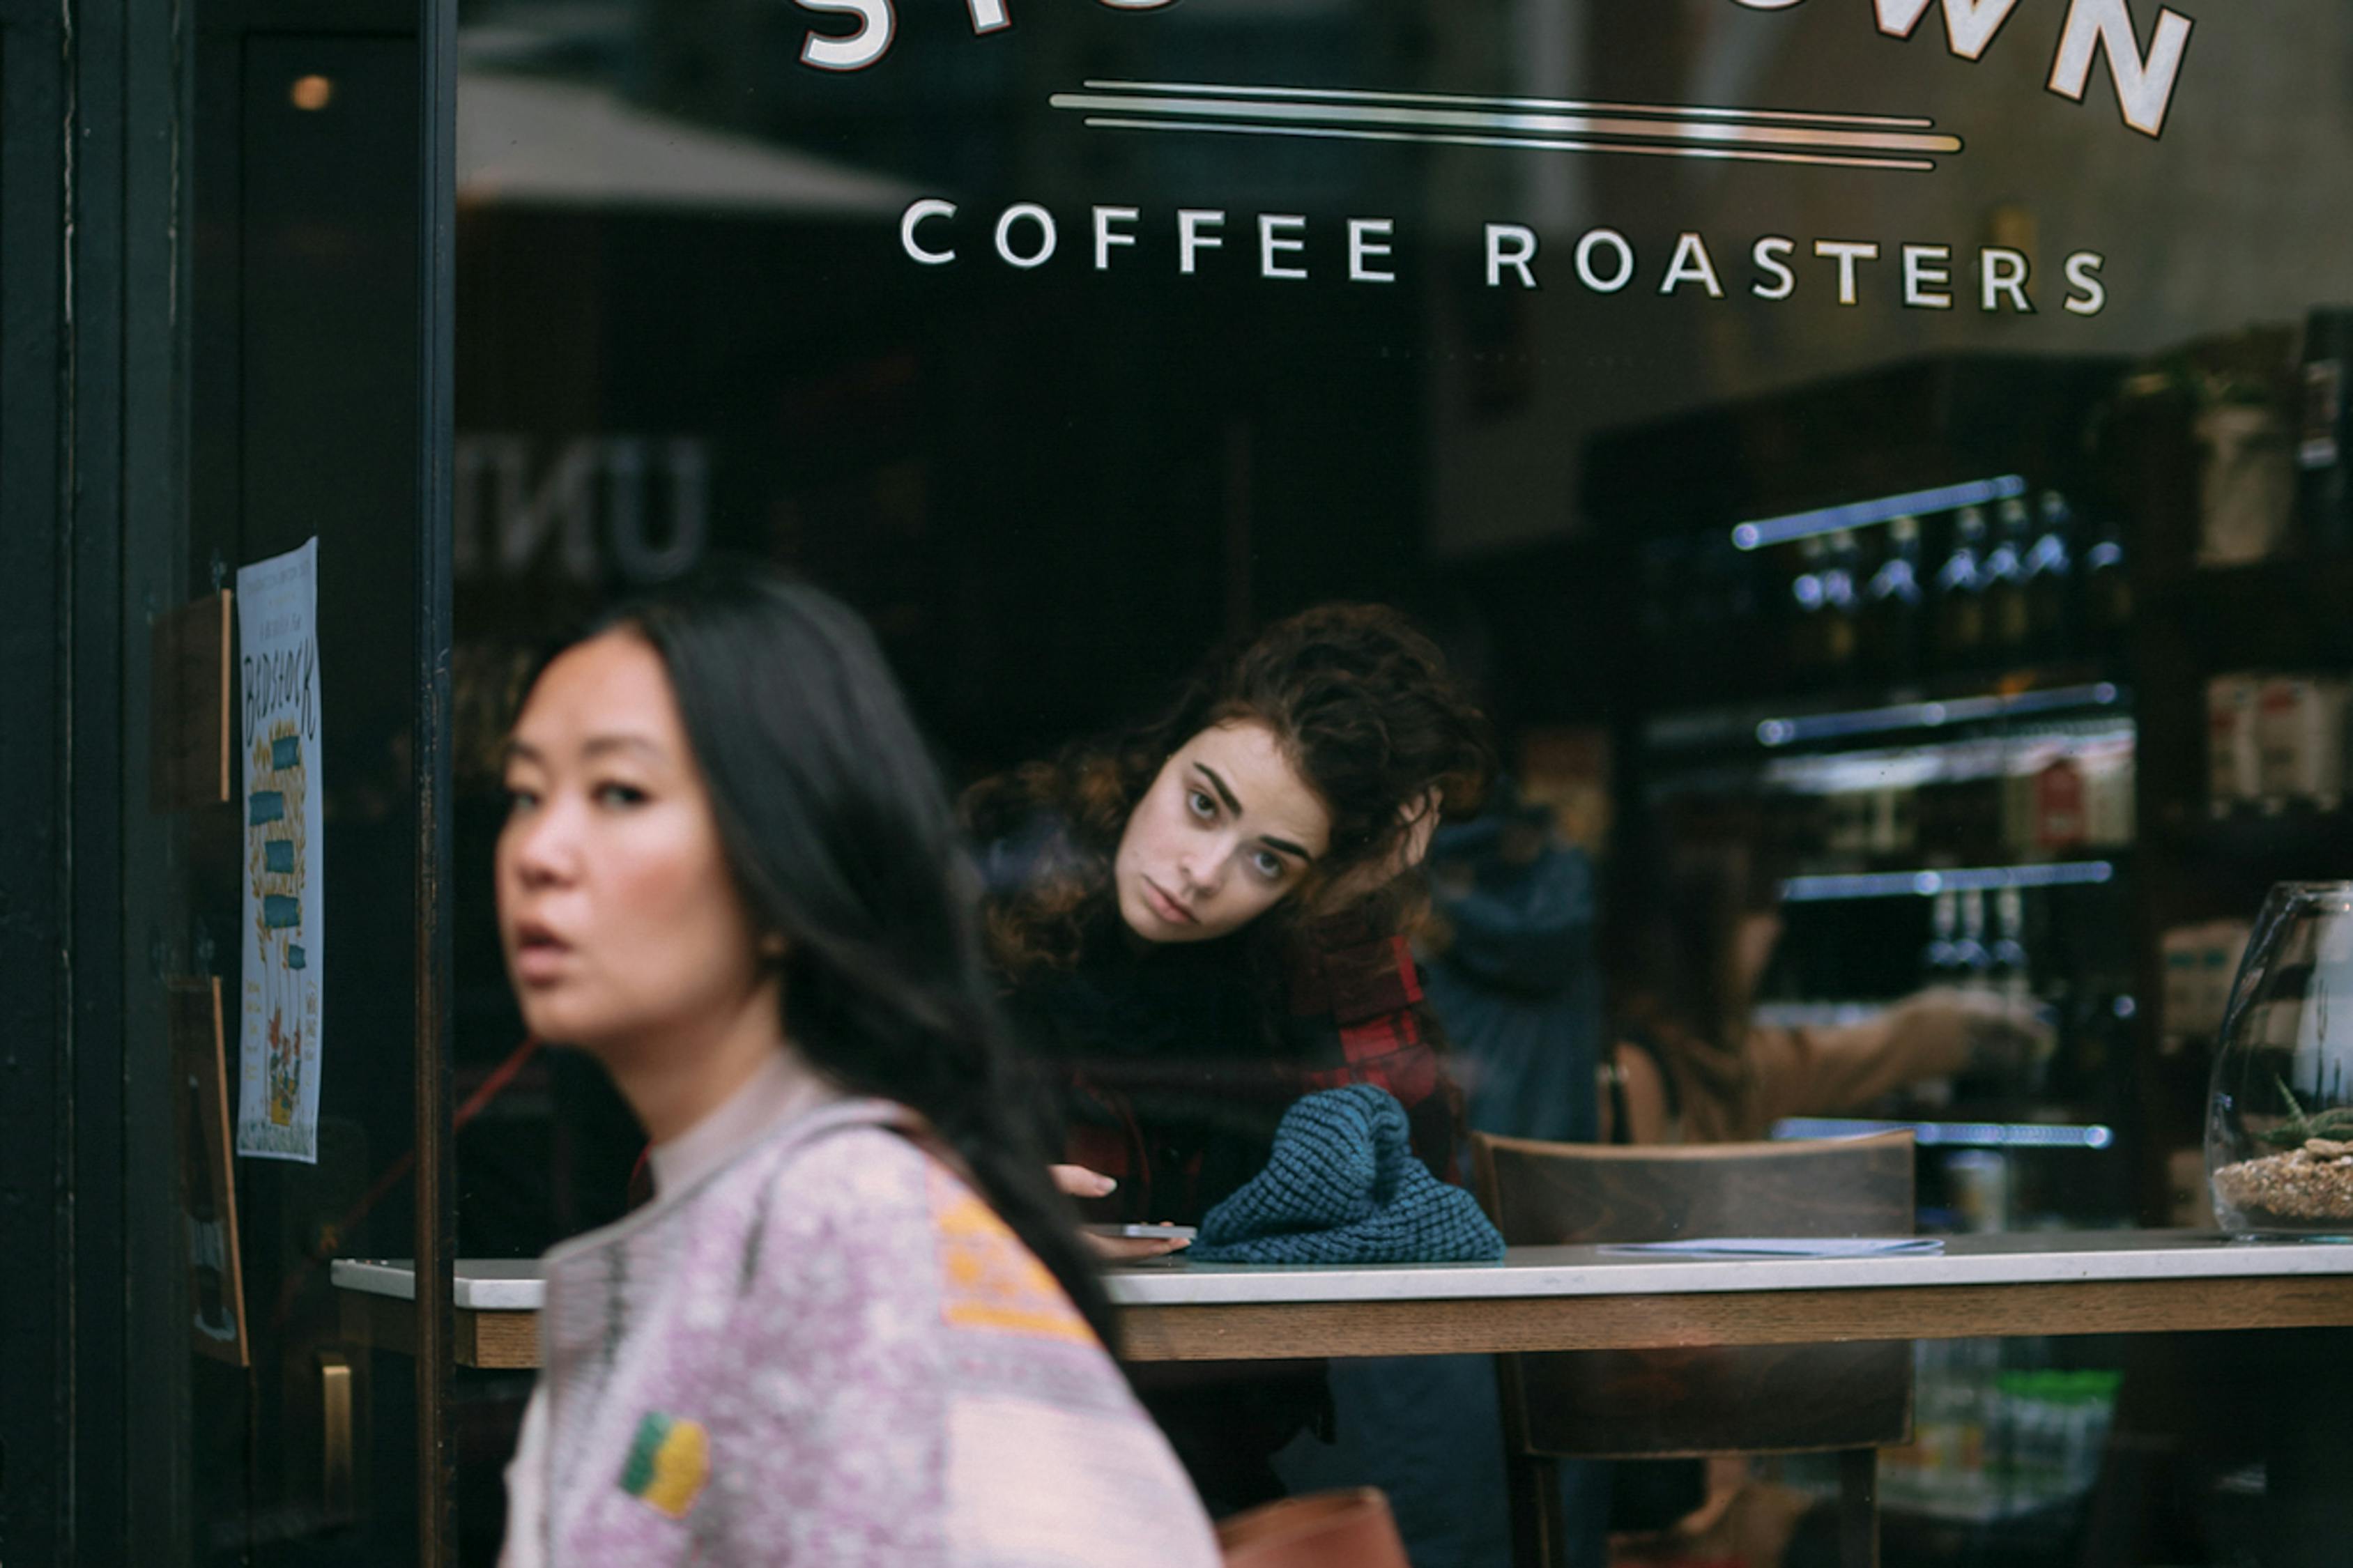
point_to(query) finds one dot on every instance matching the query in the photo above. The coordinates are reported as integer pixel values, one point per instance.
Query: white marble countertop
(2038, 1257)
(484, 1284)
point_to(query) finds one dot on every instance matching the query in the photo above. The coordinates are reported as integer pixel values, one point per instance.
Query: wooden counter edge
(1238, 1332)
(492, 1340)
(1293, 1330)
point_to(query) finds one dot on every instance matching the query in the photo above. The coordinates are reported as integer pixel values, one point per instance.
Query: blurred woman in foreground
(855, 1325)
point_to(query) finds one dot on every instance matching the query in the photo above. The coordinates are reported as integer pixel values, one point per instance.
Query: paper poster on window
(278, 680)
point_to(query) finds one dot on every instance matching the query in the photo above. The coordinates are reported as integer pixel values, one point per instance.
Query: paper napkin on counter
(1785, 1246)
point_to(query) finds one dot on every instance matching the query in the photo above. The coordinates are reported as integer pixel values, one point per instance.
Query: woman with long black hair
(856, 1324)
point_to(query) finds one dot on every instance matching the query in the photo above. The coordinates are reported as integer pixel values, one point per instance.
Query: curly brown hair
(1362, 704)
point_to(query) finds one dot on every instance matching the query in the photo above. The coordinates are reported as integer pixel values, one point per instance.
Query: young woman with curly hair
(1201, 920)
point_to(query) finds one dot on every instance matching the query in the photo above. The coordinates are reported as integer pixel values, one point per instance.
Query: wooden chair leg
(1540, 1534)
(1859, 1508)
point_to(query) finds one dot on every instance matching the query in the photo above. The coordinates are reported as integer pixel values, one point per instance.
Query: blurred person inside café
(1691, 1060)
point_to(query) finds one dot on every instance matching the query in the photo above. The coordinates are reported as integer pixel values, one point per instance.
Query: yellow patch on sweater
(987, 1278)
(668, 1463)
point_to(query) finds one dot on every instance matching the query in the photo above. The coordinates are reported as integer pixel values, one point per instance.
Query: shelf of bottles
(1932, 688)
(2003, 1142)
(1960, 588)
(2040, 940)
(1917, 707)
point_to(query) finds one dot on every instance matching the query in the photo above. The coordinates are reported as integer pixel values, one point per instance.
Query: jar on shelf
(2279, 1128)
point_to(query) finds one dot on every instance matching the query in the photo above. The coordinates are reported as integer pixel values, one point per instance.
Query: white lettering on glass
(1190, 240)
(1521, 242)
(1692, 264)
(1847, 252)
(1932, 276)
(1105, 239)
(1928, 277)
(858, 50)
(1596, 239)
(2084, 275)
(877, 26)
(930, 207)
(2003, 273)
(2143, 83)
(1032, 213)
(1363, 249)
(1969, 25)
(1766, 253)
(1280, 231)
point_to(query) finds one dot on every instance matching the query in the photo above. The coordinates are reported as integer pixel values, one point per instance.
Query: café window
(1880, 465)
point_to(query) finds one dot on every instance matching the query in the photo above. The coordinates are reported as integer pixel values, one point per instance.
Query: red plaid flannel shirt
(1367, 994)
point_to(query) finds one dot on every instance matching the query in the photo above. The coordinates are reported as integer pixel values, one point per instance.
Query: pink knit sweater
(827, 1350)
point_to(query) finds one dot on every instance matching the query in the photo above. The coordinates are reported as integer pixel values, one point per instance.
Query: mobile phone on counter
(1146, 1232)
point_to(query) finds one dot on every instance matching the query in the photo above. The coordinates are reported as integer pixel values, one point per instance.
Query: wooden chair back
(1323, 1530)
(1704, 1399)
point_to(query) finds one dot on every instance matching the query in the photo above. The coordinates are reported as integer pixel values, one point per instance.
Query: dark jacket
(1517, 986)
(1173, 1063)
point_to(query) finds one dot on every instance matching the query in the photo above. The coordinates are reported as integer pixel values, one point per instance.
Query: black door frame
(35, 854)
(92, 112)
(437, 1188)
(94, 117)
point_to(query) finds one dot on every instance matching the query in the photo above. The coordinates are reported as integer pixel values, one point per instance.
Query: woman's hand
(1080, 1183)
(1420, 819)
(1992, 1033)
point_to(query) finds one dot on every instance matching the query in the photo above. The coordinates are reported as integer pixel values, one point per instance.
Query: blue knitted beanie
(1343, 1186)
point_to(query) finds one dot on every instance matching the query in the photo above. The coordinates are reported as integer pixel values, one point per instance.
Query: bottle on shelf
(1807, 648)
(1972, 959)
(1842, 609)
(1891, 620)
(1944, 925)
(2324, 482)
(2013, 973)
(2107, 593)
(1894, 820)
(1960, 602)
(2050, 564)
(2003, 576)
